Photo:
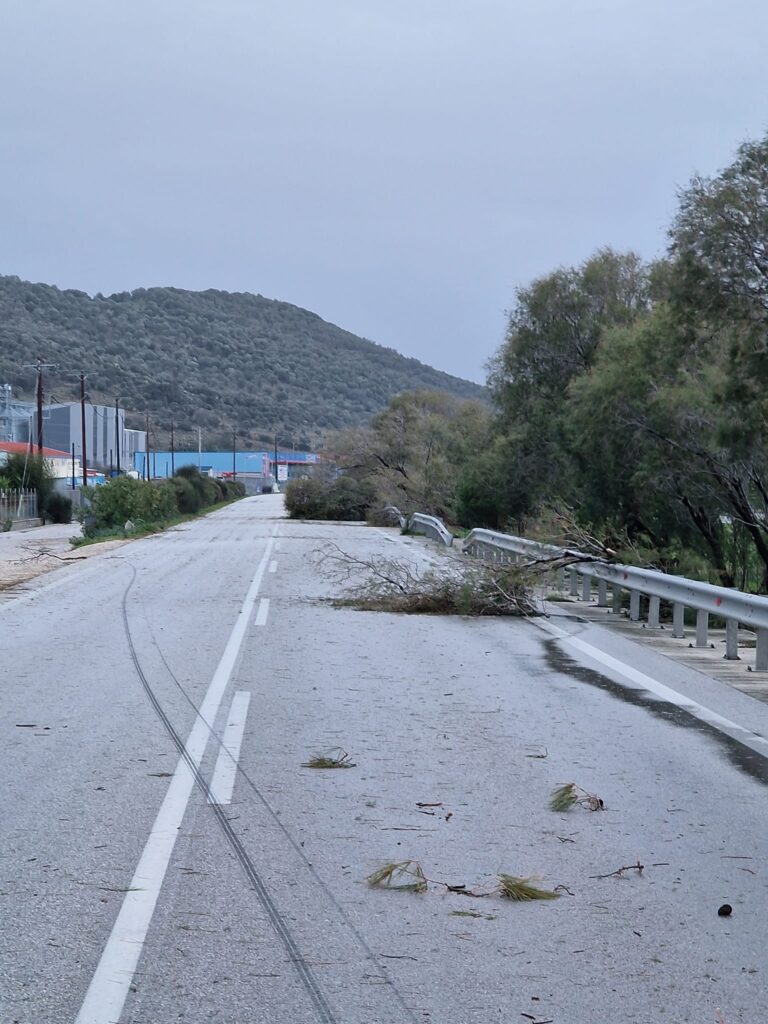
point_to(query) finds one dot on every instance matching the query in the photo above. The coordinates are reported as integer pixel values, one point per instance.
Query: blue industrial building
(242, 464)
(161, 464)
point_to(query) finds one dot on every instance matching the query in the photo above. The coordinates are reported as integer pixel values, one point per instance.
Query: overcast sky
(398, 166)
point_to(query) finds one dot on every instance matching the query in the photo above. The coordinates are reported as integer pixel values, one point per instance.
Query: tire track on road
(253, 786)
(91, 1012)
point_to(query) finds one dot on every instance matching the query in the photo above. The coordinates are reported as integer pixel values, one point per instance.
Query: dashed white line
(107, 992)
(225, 772)
(273, 566)
(263, 612)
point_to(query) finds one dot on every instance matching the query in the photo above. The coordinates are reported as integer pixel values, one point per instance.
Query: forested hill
(212, 359)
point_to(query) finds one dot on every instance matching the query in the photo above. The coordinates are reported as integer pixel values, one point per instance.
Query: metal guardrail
(732, 605)
(430, 526)
(419, 522)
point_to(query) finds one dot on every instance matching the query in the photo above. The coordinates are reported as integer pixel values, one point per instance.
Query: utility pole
(117, 434)
(275, 456)
(39, 406)
(146, 463)
(234, 455)
(82, 429)
(173, 455)
(199, 449)
(38, 367)
(73, 465)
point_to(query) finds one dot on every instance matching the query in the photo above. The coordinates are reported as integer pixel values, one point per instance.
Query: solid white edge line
(640, 681)
(225, 771)
(263, 612)
(107, 992)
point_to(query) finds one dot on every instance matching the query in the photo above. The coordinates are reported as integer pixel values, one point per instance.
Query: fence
(17, 504)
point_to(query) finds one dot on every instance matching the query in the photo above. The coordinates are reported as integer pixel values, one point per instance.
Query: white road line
(273, 566)
(640, 681)
(278, 545)
(263, 612)
(106, 995)
(225, 772)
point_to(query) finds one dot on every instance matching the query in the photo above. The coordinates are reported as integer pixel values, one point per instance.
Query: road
(127, 893)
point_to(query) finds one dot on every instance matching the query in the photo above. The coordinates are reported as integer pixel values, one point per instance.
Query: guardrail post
(678, 621)
(761, 651)
(702, 625)
(732, 639)
(736, 609)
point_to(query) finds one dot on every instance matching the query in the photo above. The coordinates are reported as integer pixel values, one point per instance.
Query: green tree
(33, 473)
(552, 336)
(720, 242)
(415, 450)
(719, 292)
(643, 422)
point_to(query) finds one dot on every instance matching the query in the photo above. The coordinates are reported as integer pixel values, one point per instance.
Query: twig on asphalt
(619, 872)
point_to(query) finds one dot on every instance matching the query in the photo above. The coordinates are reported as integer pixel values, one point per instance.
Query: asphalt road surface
(165, 856)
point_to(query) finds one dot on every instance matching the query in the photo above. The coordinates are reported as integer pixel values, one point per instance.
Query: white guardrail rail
(419, 522)
(734, 606)
(430, 526)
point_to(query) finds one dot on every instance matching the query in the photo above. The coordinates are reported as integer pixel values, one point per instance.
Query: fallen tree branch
(619, 872)
(458, 586)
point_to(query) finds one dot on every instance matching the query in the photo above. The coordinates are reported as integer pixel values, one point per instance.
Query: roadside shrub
(186, 495)
(305, 498)
(345, 499)
(125, 498)
(233, 489)
(206, 486)
(57, 508)
(349, 500)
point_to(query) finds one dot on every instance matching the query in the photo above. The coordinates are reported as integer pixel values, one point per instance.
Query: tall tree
(415, 449)
(719, 243)
(551, 339)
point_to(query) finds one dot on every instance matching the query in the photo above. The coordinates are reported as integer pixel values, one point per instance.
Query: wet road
(135, 888)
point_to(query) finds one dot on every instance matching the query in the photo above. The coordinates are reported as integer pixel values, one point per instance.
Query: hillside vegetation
(212, 359)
